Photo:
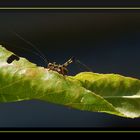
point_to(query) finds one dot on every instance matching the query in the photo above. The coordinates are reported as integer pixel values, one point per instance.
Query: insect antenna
(27, 50)
(75, 60)
(82, 64)
(32, 45)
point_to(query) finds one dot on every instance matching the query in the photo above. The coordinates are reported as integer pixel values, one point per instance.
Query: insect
(60, 68)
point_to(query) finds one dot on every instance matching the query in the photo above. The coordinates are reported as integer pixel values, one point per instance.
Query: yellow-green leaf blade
(110, 93)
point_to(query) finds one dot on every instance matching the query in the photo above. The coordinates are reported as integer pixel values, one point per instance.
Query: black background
(68, 3)
(106, 41)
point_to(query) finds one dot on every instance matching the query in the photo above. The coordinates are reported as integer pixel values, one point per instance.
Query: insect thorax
(58, 68)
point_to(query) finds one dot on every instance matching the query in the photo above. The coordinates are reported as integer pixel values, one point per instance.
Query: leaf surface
(110, 93)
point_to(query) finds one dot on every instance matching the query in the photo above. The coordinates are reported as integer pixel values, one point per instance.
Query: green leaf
(110, 93)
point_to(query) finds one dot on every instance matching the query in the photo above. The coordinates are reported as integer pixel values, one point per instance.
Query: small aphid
(11, 58)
